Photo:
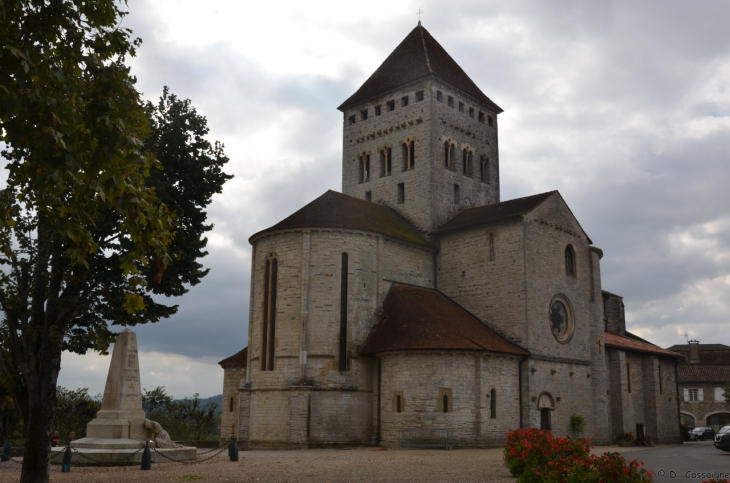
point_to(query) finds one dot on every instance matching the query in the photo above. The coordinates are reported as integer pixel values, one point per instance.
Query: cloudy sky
(622, 106)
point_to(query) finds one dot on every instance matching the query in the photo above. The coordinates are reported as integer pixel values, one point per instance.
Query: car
(722, 439)
(701, 433)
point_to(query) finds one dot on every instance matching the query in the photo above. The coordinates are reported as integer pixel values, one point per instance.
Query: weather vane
(419, 15)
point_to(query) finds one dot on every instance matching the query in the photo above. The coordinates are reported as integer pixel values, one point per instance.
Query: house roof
(335, 210)
(702, 373)
(417, 56)
(416, 318)
(614, 340)
(239, 358)
(703, 347)
(718, 354)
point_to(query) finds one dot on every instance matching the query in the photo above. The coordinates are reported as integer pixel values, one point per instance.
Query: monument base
(107, 443)
(121, 457)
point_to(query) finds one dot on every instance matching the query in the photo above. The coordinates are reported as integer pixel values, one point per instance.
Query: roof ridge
(425, 49)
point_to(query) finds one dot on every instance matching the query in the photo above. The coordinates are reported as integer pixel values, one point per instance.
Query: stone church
(417, 298)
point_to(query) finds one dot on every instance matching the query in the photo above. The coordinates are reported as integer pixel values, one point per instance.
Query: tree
(74, 409)
(82, 232)
(190, 419)
(155, 401)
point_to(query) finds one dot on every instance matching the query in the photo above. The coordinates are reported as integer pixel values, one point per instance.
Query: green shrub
(577, 423)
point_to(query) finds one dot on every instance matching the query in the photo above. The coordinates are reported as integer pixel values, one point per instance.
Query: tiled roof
(335, 210)
(702, 373)
(418, 56)
(482, 215)
(417, 318)
(613, 340)
(240, 357)
(703, 347)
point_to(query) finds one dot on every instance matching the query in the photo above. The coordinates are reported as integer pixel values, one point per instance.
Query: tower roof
(418, 56)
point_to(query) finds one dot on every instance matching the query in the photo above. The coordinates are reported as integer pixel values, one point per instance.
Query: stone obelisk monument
(120, 422)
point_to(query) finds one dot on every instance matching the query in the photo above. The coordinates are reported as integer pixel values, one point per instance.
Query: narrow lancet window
(388, 161)
(272, 316)
(452, 157)
(265, 321)
(493, 404)
(569, 261)
(404, 156)
(397, 404)
(446, 154)
(491, 247)
(343, 313)
(446, 403)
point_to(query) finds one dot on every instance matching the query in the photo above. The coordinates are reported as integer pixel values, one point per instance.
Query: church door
(545, 419)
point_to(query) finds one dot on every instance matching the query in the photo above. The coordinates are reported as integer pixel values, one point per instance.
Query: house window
(368, 196)
(364, 114)
(451, 101)
(343, 312)
(404, 101)
(471, 112)
(377, 110)
(268, 325)
(693, 395)
(461, 107)
(401, 193)
(569, 261)
(419, 96)
(352, 120)
(439, 96)
(391, 105)
(493, 404)
(456, 194)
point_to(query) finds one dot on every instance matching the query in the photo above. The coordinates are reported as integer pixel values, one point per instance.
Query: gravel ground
(314, 465)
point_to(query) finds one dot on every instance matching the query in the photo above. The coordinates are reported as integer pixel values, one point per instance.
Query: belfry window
(490, 120)
(377, 110)
(343, 312)
(268, 326)
(391, 105)
(404, 155)
(365, 168)
(446, 154)
(569, 261)
(352, 120)
(452, 157)
(461, 107)
(481, 117)
(411, 155)
(464, 155)
(451, 101)
(471, 112)
(401, 193)
(404, 101)
(484, 169)
(493, 404)
(364, 114)
(419, 96)
(439, 96)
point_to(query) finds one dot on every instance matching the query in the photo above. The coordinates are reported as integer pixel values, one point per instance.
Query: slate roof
(702, 373)
(335, 210)
(625, 343)
(417, 318)
(417, 56)
(240, 357)
(482, 215)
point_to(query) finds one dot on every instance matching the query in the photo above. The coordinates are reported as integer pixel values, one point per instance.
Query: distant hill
(216, 399)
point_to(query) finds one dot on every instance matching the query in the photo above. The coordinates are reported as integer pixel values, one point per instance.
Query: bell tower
(420, 137)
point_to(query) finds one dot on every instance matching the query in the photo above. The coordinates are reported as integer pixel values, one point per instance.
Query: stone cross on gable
(419, 15)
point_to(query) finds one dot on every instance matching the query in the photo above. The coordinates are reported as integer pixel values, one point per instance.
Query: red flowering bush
(536, 456)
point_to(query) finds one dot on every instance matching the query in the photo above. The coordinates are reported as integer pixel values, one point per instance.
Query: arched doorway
(546, 406)
(687, 419)
(718, 420)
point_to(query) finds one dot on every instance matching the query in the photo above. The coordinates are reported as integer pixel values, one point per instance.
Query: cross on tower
(419, 16)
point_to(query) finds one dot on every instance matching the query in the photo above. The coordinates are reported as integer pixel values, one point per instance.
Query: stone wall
(429, 185)
(233, 376)
(700, 410)
(421, 378)
(614, 313)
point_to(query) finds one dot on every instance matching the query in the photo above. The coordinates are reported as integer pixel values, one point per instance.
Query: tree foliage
(83, 233)
(74, 409)
(185, 419)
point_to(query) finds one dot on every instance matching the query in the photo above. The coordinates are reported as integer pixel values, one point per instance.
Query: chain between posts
(108, 463)
(214, 449)
(220, 448)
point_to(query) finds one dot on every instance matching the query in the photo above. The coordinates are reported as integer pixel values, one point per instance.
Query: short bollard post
(6, 452)
(233, 450)
(66, 467)
(147, 457)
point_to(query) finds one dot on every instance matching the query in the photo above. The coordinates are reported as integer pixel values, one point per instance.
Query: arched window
(412, 155)
(469, 165)
(230, 406)
(404, 155)
(569, 261)
(446, 154)
(343, 313)
(382, 164)
(397, 404)
(484, 169)
(388, 161)
(452, 155)
(268, 327)
(365, 174)
(493, 404)
(464, 156)
(446, 403)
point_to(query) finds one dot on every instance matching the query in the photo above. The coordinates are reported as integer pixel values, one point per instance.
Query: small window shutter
(700, 396)
(686, 395)
(719, 394)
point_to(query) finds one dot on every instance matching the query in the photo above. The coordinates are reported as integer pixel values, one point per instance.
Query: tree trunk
(39, 422)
